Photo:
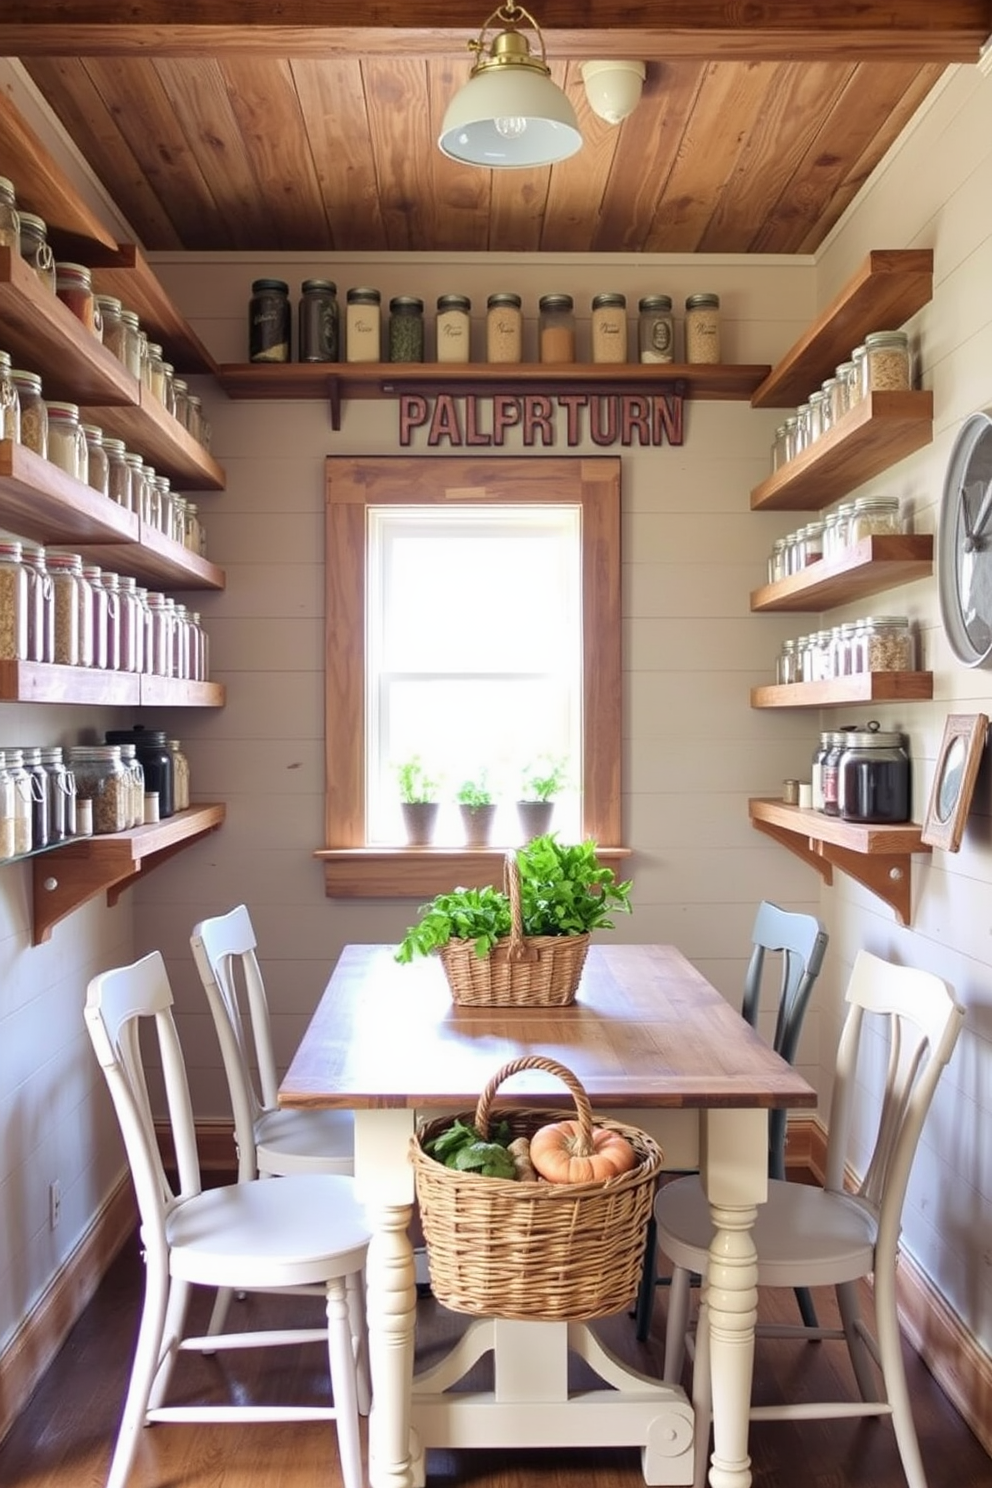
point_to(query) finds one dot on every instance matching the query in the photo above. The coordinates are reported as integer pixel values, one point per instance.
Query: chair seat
(305, 1141)
(255, 1235)
(799, 1225)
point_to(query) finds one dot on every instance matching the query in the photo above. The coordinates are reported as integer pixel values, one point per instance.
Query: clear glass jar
(776, 561)
(406, 329)
(109, 583)
(556, 328)
(198, 647)
(101, 778)
(136, 784)
(855, 386)
(168, 394)
(786, 671)
(363, 325)
(34, 413)
(74, 287)
(66, 570)
(790, 553)
(319, 321)
(702, 328)
(41, 604)
(99, 611)
(655, 329)
(23, 813)
(10, 222)
(118, 475)
(158, 656)
(7, 842)
(156, 762)
(31, 760)
(180, 396)
(815, 416)
(196, 534)
(874, 516)
(830, 770)
(270, 322)
(10, 404)
(143, 635)
(830, 545)
(811, 544)
(504, 328)
(195, 423)
(802, 428)
(130, 656)
(132, 343)
(454, 328)
(790, 447)
(35, 249)
(136, 481)
(180, 771)
(164, 503)
(874, 776)
(97, 463)
(180, 642)
(149, 508)
(154, 372)
(779, 449)
(885, 644)
(14, 603)
(827, 405)
(609, 328)
(840, 392)
(66, 440)
(110, 308)
(845, 511)
(885, 366)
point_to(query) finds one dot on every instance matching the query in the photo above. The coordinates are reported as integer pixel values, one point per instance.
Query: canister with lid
(74, 287)
(41, 604)
(13, 603)
(556, 330)
(319, 321)
(101, 778)
(61, 794)
(23, 813)
(34, 414)
(118, 475)
(155, 759)
(454, 328)
(10, 222)
(363, 318)
(97, 462)
(655, 329)
(110, 309)
(609, 328)
(35, 248)
(874, 516)
(406, 329)
(885, 367)
(270, 322)
(10, 404)
(504, 328)
(874, 776)
(66, 440)
(132, 344)
(702, 328)
(884, 644)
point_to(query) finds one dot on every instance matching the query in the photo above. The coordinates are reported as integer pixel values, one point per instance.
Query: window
(382, 664)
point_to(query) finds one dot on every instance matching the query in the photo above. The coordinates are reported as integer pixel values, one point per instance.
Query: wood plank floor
(63, 1438)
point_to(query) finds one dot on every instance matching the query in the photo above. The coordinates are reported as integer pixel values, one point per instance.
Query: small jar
(786, 667)
(168, 393)
(874, 516)
(884, 644)
(655, 329)
(855, 386)
(136, 481)
(827, 405)
(790, 446)
(10, 403)
(802, 428)
(816, 772)
(118, 476)
(406, 329)
(10, 221)
(840, 393)
(109, 583)
(102, 779)
(702, 328)
(815, 417)
(779, 449)
(830, 771)
(811, 544)
(195, 420)
(319, 321)
(135, 807)
(41, 604)
(609, 328)
(180, 772)
(776, 561)
(66, 440)
(33, 412)
(504, 328)
(556, 331)
(845, 511)
(363, 325)
(130, 655)
(14, 603)
(454, 328)
(885, 367)
(180, 397)
(99, 610)
(35, 248)
(110, 308)
(66, 570)
(132, 344)
(873, 776)
(97, 463)
(158, 650)
(270, 322)
(74, 287)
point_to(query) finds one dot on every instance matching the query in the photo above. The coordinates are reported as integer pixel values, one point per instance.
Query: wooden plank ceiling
(240, 124)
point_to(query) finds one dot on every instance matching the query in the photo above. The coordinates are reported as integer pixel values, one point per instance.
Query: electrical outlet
(54, 1203)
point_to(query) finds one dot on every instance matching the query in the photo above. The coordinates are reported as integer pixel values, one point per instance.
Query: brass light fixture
(510, 114)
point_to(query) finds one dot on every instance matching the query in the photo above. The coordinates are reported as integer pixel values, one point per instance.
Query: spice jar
(702, 328)
(34, 414)
(13, 603)
(66, 440)
(504, 328)
(74, 287)
(270, 322)
(97, 461)
(885, 367)
(454, 328)
(873, 778)
(35, 248)
(363, 325)
(406, 329)
(10, 404)
(319, 321)
(609, 328)
(556, 330)
(786, 665)
(655, 329)
(102, 779)
(884, 644)
(10, 222)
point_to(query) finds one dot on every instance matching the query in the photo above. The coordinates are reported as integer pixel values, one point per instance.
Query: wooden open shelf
(876, 856)
(46, 682)
(842, 692)
(42, 185)
(132, 279)
(156, 434)
(890, 286)
(868, 567)
(66, 877)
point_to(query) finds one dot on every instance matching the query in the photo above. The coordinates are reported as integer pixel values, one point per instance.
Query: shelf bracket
(803, 847)
(888, 875)
(334, 402)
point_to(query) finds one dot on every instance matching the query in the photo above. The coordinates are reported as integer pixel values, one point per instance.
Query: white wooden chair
(833, 1236)
(305, 1232)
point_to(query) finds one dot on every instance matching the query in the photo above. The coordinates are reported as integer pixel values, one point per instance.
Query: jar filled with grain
(34, 414)
(23, 815)
(154, 372)
(66, 570)
(35, 249)
(155, 759)
(10, 222)
(885, 367)
(855, 386)
(609, 328)
(74, 287)
(406, 329)
(270, 322)
(102, 779)
(874, 516)
(41, 604)
(13, 603)
(556, 328)
(97, 462)
(180, 396)
(10, 404)
(504, 328)
(884, 643)
(319, 321)
(702, 328)
(66, 440)
(454, 328)
(363, 325)
(655, 329)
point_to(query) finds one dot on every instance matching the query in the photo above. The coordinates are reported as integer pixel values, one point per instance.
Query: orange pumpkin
(561, 1155)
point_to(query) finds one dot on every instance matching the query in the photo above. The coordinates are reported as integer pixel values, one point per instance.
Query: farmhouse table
(654, 1045)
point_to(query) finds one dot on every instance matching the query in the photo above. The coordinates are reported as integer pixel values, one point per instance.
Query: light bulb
(511, 128)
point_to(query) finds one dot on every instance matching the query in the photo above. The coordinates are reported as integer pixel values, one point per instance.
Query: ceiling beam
(943, 31)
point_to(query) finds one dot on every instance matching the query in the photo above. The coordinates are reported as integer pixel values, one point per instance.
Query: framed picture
(954, 779)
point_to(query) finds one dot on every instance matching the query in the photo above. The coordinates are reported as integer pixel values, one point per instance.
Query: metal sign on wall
(484, 421)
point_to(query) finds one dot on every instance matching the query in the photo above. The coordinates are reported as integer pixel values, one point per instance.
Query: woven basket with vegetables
(534, 1214)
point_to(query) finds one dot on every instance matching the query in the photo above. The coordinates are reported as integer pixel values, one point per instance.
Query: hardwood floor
(63, 1438)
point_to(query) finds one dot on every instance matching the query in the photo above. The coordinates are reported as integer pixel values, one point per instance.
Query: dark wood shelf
(42, 185)
(156, 434)
(842, 692)
(132, 279)
(890, 286)
(69, 876)
(44, 682)
(868, 567)
(877, 433)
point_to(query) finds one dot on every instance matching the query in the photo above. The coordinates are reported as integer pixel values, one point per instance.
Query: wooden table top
(646, 1030)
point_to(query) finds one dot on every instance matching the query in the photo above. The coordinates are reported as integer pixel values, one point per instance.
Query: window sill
(420, 872)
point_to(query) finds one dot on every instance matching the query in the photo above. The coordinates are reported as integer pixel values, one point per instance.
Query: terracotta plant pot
(535, 818)
(478, 824)
(420, 819)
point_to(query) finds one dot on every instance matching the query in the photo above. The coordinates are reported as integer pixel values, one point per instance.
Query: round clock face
(964, 544)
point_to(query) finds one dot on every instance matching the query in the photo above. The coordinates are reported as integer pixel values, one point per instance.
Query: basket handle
(517, 948)
(583, 1109)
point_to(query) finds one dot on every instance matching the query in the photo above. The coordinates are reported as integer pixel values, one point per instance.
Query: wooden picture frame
(954, 779)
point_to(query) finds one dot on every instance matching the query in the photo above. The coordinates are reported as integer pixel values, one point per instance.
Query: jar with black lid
(873, 782)
(155, 759)
(270, 322)
(406, 329)
(319, 321)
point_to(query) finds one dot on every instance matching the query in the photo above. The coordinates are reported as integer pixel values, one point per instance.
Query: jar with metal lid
(180, 396)
(790, 554)
(31, 760)
(66, 440)
(776, 561)
(110, 308)
(811, 544)
(118, 477)
(61, 794)
(168, 394)
(815, 416)
(109, 583)
(164, 519)
(786, 667)
(363, 321)
(845, 511)
(830, 770)
(840, 392)
(609, 328)
(13, 603)
(180, 771)
(34, 414)
(156, 762)
(504, 328)
(802, 428)
(655, 329)
(35, 249)
(66, 570)
(99, 611)
(855, 386)
(198, 647)
(270, 322)
(131, 342)
(702, 328)
(406, 329)
(790, 446)
(136, 481)
(158, 651)
(827, 419)
(779, 448)
(153, 371)
(319, 321)
(884, 644)
(41, 604)
(453, 327)
(556, 328)
(874, 776)
(74, 287)
(885, 366)
(130, 655)
(136, 784)
(10, 404)
(101, 778)
(874, 516)
(97, 463)
(195, 418)
(180, 641)
(10, 221)
(820, 753)
(23, 804)
(830, 545)
(7, 848)
(841, 648)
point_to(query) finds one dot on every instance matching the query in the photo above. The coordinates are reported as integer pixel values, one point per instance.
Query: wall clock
(964, 543)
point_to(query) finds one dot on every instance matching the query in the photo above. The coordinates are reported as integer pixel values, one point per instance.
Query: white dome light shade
(613, 88)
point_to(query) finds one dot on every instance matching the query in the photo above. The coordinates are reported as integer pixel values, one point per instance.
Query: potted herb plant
(535, 809)
(418, 801)
(477, 809)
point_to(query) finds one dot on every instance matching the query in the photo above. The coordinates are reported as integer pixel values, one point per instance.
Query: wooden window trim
(353, 870)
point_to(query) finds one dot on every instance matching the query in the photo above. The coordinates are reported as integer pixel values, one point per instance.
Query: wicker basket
(521, 971)
(534, 1250)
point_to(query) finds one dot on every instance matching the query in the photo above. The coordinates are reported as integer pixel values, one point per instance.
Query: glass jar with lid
(885, 644)
(609, 328)
(874, 776)
(840, 391)
(845, 511)
(885, 366)
(702, 328)
(118, 477)
(35, 771)
(101, 778)
(556, 328)
(13, 603)
(319, 321)
(830, 546)
(154, 371)
(61, 794)
(10, 404)
(130, 655)
(110, 308)
(158, 651)
(136, 784)
(810, 544)
(786, 667)
(66, 570)
(156, 762)
(7, 846)
(97, 463)
(74, 287)
(98, 611)
(180, 398)
(180, 772)
(363, 321)
(504, 328)
(10, 222)
(779, 449)
(406, 329)
(874, 516)
(655, 329)
(35, 248)
(136, 481)
(815, 416)
(270, 322)
(453, 328)
(802, 428)
(41, 604)
(827, 405)
(23, 813)
(776, 561)
(109, 583)
(855, 386)
(34, 414)
(66, 440)
(131, 342)
(834, 743)
(168, 394)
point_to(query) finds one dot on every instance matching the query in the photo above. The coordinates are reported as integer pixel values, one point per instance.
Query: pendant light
(510, 114)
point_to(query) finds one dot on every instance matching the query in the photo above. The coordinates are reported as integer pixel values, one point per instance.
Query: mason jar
(35, 249)
(136, 481)
(884, 644)
(136, 784)
(110, 309)
(885, 366)
(74, 287)
(61, 794)
(158, 654)
(31, 760)
(702, 328)
(34, 414)
(406, 329)
(118, 475)
(363, 324)
(270, 322)
(7, 842)
(102, 779)
(609, 328)
(154, 372)
(14, 603)
(109, 583)
(453, 328)
(23, 813)
(874, 516)
(132, 343)
(830, 771)
(786, 667)
(504, 328)
(66, 570)
(10, 404)
(319, 321)
(10, 222)
(130, 656)
(41, 604)
(556, 330)
(97, 463)
(99, 610)
(874, 776)
(66, 440)
(180, 771)
(655, 329)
